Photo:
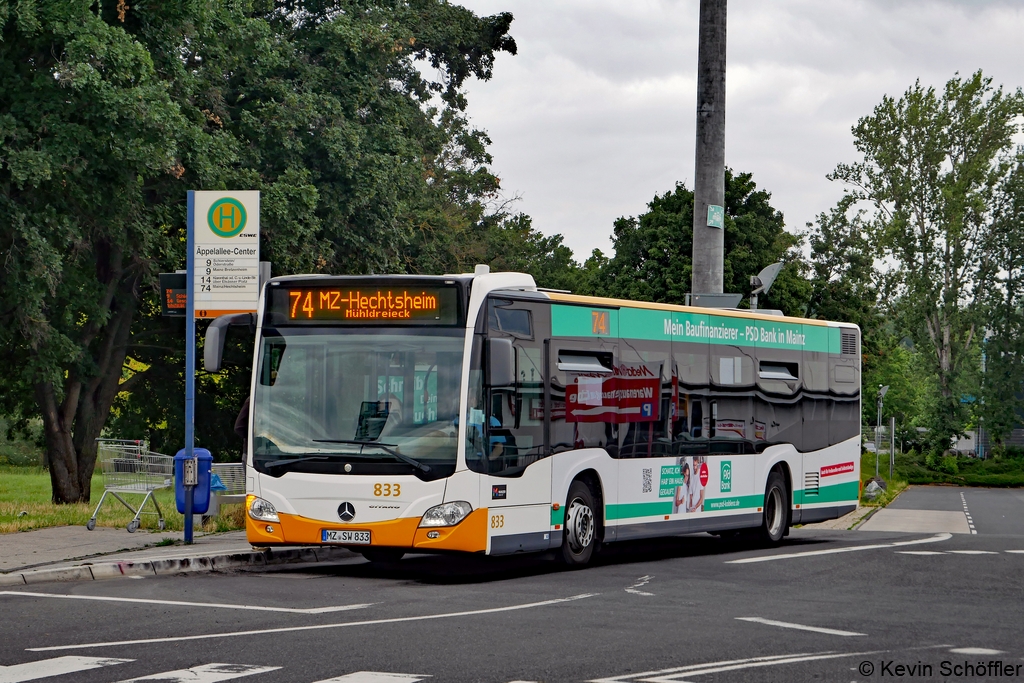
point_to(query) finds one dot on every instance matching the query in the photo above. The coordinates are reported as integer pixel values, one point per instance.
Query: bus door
(516, 473)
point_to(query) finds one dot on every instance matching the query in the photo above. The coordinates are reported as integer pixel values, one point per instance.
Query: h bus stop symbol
(227, 217)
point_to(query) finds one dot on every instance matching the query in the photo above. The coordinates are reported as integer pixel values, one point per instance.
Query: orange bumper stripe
(470, 535)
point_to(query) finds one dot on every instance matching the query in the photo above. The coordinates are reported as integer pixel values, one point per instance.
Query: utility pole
(709, 178)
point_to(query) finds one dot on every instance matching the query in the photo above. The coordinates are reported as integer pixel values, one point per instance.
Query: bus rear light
(262, 510)
(446, 514)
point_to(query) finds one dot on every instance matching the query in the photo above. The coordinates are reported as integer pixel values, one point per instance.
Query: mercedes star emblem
(346, 512)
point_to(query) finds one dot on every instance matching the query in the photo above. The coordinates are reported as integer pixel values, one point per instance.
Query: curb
(174, 565)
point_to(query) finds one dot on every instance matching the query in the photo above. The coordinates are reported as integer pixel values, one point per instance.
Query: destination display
(366, 305)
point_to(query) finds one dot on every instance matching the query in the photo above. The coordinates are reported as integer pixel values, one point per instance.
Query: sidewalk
(72, 553)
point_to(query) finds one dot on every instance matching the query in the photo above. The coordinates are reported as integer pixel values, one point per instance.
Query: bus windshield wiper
(304, 458)
(386, 447)
(318, 456)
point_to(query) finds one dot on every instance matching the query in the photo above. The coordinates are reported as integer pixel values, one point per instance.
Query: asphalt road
(827, 605)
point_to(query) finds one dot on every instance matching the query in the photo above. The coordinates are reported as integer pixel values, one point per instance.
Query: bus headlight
(262, 510)
(446, 514)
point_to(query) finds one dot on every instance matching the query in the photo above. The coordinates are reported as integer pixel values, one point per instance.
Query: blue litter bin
(201, 491)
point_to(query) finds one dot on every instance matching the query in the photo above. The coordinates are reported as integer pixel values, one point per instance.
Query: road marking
(376, 677)
(846, 549)
(919, 552)
(681, 673)
(179, 603)
(315, 627)
(207, 673)
(1017, 552)
(975, 651)
(642, 581)
(31, 671)
(691, 667)
(970, 522)
(736, 667)
(800, 627)
(974, 552)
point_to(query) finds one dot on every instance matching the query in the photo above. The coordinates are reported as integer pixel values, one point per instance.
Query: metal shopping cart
(232, 477)
(130, 468)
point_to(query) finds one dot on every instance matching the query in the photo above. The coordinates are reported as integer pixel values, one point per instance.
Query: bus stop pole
(190, 359)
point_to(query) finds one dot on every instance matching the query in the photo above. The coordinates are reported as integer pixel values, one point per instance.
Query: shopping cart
(130, 468)
(232, 477)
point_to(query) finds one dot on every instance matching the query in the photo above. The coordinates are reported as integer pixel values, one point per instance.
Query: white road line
(970, 522)
(31, 671)
(800, 627)
(180, 603)
(207, 673)
(975, 651)
(1016, 552)
(974, 552)
(376, 677)
(684, 677)
(919, 552)
(316, 627)
(642, 581)
(693, 667)
(846, 549)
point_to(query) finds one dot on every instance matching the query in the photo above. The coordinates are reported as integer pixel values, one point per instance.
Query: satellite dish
(763, 281)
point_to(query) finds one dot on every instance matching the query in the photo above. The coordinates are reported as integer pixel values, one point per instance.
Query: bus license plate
(339, 536)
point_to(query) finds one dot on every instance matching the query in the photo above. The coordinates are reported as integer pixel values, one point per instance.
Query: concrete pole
(709, 178)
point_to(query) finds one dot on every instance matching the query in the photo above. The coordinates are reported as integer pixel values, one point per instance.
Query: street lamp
(878, 423)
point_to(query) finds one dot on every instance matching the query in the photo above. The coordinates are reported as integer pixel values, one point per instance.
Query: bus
(479, 413)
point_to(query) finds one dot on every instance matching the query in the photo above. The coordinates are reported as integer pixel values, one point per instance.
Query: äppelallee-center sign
(226, 252)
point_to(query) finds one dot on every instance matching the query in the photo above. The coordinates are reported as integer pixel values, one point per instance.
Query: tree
(652, 259)
(1002, 391)
(88, 131)
(931, 163)
(109, 113)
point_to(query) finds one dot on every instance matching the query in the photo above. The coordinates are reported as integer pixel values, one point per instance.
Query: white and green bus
(480, 413)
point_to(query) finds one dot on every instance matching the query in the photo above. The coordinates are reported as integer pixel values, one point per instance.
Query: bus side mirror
(213, 345)
(501, 363)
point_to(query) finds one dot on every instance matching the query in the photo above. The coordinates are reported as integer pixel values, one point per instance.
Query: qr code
(647, 480)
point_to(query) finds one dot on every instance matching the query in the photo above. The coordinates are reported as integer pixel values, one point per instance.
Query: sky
(596, 113)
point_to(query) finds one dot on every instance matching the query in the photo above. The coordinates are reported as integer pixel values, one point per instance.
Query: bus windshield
(358, 401)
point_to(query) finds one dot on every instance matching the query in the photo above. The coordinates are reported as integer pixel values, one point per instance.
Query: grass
(917, 468)
(894, 486)
(27, 489)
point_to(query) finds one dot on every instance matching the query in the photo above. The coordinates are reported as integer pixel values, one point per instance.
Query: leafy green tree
(842, 271)
(931, 163)
(513, 245)
(110, 112)
(1002, 392)
(88, 133)
(653, 252)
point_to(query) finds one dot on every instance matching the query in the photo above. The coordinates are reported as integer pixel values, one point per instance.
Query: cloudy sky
(596, 113)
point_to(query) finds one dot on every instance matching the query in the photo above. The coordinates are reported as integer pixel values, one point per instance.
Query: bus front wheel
(580, 534)
(776, 509)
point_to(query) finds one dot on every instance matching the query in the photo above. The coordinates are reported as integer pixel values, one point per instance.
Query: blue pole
(190, 356)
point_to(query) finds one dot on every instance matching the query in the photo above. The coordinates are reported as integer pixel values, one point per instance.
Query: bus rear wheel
(581, 527)
(776, 509)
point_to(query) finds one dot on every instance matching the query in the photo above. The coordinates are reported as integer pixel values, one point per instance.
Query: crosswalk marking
(31, 671)
(376, 677)
(207, 673)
